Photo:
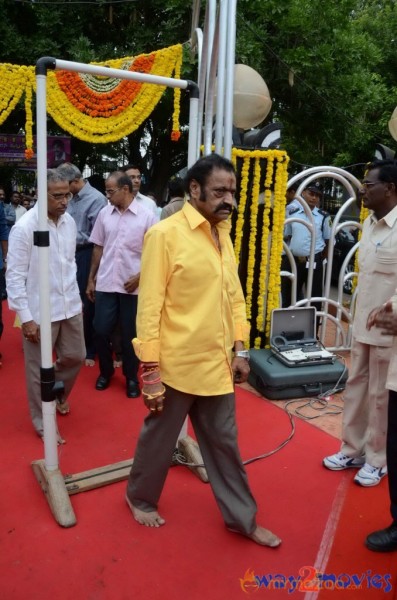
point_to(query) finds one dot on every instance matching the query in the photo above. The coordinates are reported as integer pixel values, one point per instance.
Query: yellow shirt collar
(196, 219)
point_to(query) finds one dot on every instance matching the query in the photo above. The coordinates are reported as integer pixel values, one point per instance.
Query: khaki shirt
(377, 280)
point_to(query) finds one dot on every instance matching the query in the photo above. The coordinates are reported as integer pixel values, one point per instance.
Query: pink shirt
(121, 235)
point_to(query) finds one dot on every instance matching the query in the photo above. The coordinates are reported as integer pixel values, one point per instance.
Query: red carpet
(107, 556)
(364, 510)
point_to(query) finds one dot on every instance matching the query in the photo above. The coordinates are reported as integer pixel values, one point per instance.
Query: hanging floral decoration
(97, 109)
(252, 238)
(258, 234)
(364, 213)
(241, 205)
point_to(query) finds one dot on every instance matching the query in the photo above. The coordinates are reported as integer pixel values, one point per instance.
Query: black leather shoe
(102, 383)
(132, 389)
(384, 540)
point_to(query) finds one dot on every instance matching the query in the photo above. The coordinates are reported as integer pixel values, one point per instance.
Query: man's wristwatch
(242, 354)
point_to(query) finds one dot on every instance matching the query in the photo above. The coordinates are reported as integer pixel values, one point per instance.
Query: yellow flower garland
(242, 204)
(364, 213)
(275, 187)
(274, 284)
(252, 238)
(17, 80)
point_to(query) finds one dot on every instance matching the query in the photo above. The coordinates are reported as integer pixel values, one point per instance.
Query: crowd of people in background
(108, 320)
(94, 308)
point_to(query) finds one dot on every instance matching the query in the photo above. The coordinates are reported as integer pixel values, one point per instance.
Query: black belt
(307, 258)
(83, 247)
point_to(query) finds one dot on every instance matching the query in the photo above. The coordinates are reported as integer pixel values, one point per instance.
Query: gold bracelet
(154, 396)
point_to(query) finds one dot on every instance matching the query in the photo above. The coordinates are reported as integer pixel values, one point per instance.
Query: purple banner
(12, 151)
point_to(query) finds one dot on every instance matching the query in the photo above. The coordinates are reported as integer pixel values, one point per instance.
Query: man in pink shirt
(113, 281)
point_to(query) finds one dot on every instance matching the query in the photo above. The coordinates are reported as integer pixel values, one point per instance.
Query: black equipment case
(276, 381)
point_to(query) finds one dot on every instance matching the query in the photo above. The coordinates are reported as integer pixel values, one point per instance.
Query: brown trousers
(213, 420)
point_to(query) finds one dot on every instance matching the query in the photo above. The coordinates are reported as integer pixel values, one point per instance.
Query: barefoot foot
(89, 362)
(149, 519)
(264, 537)
(261, 536)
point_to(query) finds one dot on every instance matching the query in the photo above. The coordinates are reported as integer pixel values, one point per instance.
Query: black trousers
(83, 262)
(109, 308)
(391, 453)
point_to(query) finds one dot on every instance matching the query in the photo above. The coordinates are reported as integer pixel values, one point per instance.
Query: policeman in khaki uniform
(298, 237)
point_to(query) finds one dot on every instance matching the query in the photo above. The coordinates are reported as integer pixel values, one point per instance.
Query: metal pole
(47, 368)
(229, 89)
(193, 150)
(220, 97)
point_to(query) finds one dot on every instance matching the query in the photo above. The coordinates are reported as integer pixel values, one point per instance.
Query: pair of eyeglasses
(111, 192)
(369, 184)
(60, 197)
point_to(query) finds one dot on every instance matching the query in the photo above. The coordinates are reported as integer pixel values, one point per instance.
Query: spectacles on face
(368, 184)
(60, 197)
(111, 192)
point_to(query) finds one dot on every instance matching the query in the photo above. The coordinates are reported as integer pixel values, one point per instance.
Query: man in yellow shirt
(191, 315)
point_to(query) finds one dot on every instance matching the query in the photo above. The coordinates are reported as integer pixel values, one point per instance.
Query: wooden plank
(190, 450)
(98, 477)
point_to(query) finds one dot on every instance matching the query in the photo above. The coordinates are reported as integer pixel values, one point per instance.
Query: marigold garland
(176, 134)
(274, 282)
(364, 213)
(275, 185)
(94, 108)
(252, 237)
(241, 206)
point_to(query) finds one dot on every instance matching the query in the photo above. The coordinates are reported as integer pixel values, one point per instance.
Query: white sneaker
(368, 475)
(339, 461)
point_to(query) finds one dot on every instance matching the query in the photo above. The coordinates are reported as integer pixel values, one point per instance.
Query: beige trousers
(364, 422)
(69, 347)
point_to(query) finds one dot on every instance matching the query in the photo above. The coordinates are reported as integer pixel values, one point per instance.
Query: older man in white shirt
(23, 294)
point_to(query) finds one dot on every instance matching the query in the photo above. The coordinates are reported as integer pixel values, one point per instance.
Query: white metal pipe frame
(41, 237)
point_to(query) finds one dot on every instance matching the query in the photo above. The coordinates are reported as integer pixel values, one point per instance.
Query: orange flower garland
(95, 108)
(97, 104)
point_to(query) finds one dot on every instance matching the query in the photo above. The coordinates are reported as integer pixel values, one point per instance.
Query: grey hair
(70, 171)
(54, 176)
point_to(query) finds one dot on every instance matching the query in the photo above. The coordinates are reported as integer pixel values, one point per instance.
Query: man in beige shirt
(176, 198)
(366, 399)
(385, 318)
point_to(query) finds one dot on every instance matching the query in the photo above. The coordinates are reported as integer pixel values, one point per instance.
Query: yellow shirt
(191, 307)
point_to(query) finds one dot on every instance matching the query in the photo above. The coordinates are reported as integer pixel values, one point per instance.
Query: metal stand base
(58, 487)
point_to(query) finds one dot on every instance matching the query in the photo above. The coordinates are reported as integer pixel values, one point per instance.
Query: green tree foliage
(330, 67)
(94, 31)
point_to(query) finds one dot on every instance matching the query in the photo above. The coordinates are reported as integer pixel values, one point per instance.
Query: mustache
(225, 207)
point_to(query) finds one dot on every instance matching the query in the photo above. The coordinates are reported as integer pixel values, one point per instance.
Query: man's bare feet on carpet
(89, 362)
(149, 519)
(261, 536)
